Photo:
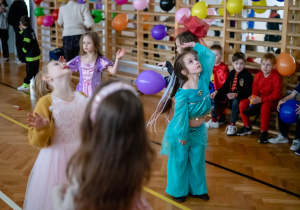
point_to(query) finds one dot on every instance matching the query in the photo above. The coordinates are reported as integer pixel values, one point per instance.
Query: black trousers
(71, 46)
(32, 68)
(4, 39)
(19, 44)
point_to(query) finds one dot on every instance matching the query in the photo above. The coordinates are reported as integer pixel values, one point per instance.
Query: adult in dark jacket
(273, 26)
(16, 11)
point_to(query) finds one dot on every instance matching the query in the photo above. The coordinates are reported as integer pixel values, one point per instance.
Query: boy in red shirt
(220, 74)
(266, 92)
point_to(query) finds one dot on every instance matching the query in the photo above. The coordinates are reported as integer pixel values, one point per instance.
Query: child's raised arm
(113, 69)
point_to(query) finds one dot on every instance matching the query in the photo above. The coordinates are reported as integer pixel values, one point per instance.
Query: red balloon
(39, 20)
(285, 64)
(55, 14)
(37, 1)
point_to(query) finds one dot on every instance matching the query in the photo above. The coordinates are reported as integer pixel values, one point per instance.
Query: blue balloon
(255, 0)
(280, 0)
(159, 32)
(150, 82)
(287, 111)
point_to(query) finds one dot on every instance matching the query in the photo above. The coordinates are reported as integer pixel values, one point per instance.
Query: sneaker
(221, 120)
(297, 152)
(211, 124)
(244, 131)
(230, 130)
(24, 87)
(263, 137)
(6, 59)
(18, 62)
(296, 145)
(279, 139)
(180, 199)
(204, 197)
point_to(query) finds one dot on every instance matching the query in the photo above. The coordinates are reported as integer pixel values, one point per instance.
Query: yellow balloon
(260, 3)
(200, 10)
(235, 6)
(221, 10)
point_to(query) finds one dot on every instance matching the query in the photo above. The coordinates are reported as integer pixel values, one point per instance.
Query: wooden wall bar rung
(255, 31)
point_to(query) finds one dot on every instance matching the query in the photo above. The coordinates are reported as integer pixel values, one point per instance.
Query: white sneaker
(230, 130)
(22, 88)
(296, 145)
(279, 139)
(211, 124)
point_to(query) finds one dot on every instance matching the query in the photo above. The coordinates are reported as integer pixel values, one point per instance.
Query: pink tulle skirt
(48, 171)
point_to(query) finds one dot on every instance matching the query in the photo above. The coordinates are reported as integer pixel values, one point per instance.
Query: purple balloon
(150, 82)
(48, 20)
(98, 6)
(159, 32)
(81, 1)
(120, 2)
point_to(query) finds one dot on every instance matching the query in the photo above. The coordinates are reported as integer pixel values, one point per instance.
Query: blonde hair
(96, 41)
(41, 87)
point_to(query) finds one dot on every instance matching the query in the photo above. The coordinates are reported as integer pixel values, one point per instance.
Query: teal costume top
(191, 104)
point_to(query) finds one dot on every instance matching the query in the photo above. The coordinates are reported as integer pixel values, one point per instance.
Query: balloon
(140, 4)
(287, 111)
(98, 6)
(210, 11)
(55, 14)
(235, 6)
(200, 9)
(182, 12)
(285, 64)
(145, 26)
(221, 10)
(48, 20)
(255, 0)
(260, 3)
(81, 1)
(39, 20)
(120, 2)
(150, 82)
(120, 22)
(39, 11)
(114, 15)
(280, 0)
(167, 5)
(37, 1)
(97, 16)
(159, 32)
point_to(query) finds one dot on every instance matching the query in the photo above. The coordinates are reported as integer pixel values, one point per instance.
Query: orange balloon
(145, 26)
(285, 64)
(120, 22)
(39, 20)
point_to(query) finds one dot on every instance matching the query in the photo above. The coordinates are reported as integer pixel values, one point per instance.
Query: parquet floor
(241, 173)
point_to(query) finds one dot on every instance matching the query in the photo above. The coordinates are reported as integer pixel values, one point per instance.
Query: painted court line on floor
(9, 202)
(145, 188)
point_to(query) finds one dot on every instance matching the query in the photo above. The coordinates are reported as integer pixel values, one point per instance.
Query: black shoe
(244, 131)
(253, 110)
(204, 197)
(221, 120)
(263, 137)
(180, 199)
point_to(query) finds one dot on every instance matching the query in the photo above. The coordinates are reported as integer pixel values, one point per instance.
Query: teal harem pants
(186, 165)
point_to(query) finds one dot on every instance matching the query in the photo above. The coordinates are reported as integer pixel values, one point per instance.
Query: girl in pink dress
(54, 128)
(91, 62)
(115, 156)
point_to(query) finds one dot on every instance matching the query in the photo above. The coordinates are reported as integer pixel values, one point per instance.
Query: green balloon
(39, 11)
(97, 16)
(114, 14)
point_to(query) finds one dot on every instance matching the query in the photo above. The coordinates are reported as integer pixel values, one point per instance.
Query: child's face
(21, 26)
(238, 65)
(88, 44)
(266, 67)
(192, 64)
(218, 57)
(178, 48)
(58, 69)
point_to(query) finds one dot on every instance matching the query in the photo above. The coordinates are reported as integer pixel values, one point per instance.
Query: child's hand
(62, 59)
(182, 142)
(120, 53)
(298, 109)
(37, 121)
(213, 95)
(232, 95)
(162, 64)
(188, 44)
(256, 100)
(279, 104)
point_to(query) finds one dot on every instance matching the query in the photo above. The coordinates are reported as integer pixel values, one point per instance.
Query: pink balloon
(182, 12)
(120, 2)
(140, 4)
(48, 20)
(210, 11)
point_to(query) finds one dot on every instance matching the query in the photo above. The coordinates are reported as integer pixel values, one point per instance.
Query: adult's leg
(4, 39)
(19, 44)
(297, 133)
(76, 45)
(244, 104)
(265, 114)
(67, 47)
(32, 68)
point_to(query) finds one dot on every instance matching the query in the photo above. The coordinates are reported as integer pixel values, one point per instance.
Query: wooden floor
(241, 173)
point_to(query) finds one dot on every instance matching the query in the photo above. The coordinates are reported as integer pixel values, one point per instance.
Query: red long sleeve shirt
(268, 89)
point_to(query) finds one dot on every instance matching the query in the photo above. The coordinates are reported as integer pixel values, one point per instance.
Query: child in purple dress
(91, 62)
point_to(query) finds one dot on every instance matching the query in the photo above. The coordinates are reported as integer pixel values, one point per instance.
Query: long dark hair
(115, 156)
(186, 37)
